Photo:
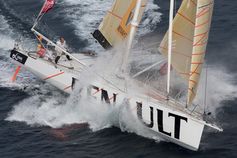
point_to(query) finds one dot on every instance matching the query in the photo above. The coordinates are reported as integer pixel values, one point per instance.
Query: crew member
(62, 44)
(41, 51)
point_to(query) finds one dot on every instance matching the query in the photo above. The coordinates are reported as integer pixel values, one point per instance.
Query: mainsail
(190, 34)
(117, 23)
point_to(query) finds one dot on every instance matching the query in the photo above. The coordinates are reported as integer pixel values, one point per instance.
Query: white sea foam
(7, 67)
(57, 111)
(219, 87)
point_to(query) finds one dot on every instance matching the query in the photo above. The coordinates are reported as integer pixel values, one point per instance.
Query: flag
(47, 6)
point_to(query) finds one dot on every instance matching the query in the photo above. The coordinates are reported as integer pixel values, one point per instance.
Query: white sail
(201, 33)
(183, 32)
(116, 24)
(190, 34)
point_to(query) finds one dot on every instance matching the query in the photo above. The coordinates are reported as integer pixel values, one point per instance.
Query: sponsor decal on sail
(125, 24)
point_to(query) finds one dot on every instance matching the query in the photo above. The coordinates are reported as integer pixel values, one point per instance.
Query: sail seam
(194, 3)
(176, 52)
(183, 36)
(115, 15)
(203, 12)
(186, 18)
(206, 22)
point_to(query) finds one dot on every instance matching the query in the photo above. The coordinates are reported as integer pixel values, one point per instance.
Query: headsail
(183, 32)
(201, 33)
(190, 33)
(116, 24)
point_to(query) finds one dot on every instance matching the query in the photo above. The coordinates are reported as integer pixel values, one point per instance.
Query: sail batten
(201, 33)
(190, 36)
(116, 24)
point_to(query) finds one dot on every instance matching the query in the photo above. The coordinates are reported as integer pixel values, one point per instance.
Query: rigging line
(148, 68)
(45, 38)
(205, 97)
(147, 47)
(175, 6)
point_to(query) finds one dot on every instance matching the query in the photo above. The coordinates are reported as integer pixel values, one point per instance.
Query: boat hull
(169, 123)
(46, 71)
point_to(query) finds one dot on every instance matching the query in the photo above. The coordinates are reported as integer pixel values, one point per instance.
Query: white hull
(171, 123)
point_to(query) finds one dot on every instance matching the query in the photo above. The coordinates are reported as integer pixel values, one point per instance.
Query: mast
(134, 25)
(171, 15)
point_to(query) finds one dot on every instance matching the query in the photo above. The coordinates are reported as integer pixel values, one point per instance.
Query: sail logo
(19, 57)
(125, 24)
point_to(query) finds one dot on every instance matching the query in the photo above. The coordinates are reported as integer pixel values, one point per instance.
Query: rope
(205, 97)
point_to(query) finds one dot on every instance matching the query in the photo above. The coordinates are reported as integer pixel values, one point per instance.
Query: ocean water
(37, 120)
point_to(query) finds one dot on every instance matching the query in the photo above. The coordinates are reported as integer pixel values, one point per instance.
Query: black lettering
(95, 88)
(73, 82)
(177, 121)
(105, 96)
(139, 110)
(139, 114)
(90, 88)
(114, 97)
(160, 123)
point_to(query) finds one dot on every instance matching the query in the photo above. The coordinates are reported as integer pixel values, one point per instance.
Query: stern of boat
(170, 124)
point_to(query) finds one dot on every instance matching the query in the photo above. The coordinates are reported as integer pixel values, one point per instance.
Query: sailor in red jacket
(41, 51)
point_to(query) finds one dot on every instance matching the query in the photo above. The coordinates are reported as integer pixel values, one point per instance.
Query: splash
(219, 86)
(7, 66)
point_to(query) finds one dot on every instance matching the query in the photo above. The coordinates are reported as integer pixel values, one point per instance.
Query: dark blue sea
(37, 120)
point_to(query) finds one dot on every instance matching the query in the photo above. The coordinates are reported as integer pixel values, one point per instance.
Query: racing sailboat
(171, 119)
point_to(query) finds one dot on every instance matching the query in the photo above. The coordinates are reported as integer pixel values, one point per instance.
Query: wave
(7, 66)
